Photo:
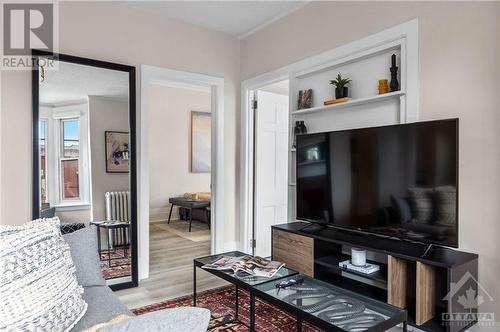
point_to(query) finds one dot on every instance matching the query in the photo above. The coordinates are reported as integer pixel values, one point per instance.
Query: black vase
(303, 128)
(296, 131)
(341, 92)
(394, 85)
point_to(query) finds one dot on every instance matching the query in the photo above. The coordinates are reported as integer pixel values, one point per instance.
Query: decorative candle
(358, 256)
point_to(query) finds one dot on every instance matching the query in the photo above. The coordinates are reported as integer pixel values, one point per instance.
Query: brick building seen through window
(70, 155)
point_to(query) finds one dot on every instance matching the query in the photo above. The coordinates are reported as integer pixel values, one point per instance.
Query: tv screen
(398, 180)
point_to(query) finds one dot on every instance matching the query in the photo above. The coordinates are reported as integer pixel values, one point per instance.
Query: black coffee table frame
(300, 315)
(238, 283)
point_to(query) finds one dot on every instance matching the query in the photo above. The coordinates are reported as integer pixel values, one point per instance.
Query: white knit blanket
(38, 286)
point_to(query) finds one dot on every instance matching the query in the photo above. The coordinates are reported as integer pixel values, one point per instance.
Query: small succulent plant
(340, 82)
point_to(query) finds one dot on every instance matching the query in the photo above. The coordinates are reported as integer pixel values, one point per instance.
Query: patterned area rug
(220, 302)
(120, 265)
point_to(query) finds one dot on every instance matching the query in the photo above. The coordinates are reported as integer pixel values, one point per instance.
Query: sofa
(103, 305)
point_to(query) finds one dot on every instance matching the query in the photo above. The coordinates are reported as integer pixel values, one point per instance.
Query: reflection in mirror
(84, 163)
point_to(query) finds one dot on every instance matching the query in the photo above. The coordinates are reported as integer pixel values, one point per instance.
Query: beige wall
(105, 114)
(128, 36)
(170, 146)
(459, 77)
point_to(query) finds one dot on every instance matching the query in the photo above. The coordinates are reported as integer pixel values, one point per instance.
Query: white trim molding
(165, 76)
(405, 35)
(52, 115)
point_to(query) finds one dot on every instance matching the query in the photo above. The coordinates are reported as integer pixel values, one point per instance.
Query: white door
(271, 167)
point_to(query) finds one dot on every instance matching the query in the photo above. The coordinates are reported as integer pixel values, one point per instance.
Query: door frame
(247, 153)
(407, 30)
(171, 77)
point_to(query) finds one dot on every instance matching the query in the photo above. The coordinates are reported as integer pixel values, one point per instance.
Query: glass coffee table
(323, 305)
(329, 307)
(240, 281)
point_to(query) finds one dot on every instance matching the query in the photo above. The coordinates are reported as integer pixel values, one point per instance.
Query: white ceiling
(69, 83)
(239, 18)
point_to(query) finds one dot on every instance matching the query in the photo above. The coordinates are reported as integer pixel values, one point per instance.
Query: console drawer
(296, 251)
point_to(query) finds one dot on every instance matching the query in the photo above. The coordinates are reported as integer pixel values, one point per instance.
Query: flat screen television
(398, 180)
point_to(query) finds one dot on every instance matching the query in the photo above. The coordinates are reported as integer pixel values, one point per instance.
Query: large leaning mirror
(84, 165)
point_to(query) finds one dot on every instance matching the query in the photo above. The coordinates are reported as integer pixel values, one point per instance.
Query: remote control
(288, 283)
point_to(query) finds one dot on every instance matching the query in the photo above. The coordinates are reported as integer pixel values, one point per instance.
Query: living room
(235, 49)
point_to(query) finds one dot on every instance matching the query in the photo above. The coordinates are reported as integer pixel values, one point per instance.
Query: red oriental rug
(120, 264)
(220, 302)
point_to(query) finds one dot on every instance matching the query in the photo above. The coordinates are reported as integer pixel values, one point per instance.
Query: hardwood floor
(171, 270)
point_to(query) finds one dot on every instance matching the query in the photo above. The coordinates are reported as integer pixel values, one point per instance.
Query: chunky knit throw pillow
(38, 286)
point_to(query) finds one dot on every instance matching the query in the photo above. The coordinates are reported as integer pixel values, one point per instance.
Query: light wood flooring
(171, 270)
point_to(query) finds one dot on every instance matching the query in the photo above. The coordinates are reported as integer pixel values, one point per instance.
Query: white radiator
(118, 209)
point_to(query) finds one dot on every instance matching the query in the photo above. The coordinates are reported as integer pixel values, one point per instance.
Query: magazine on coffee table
(253, 265)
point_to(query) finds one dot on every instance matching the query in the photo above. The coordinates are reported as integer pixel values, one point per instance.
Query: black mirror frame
(36, 54)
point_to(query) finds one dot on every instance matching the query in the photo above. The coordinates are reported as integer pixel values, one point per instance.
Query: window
(43, 161)
(64, 156)
(70, 159)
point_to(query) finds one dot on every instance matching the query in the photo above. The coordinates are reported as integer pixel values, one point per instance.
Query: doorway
(179, 186)
(271, 131)
(180, 79)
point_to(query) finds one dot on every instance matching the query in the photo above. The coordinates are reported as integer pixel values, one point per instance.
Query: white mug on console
(358, 256)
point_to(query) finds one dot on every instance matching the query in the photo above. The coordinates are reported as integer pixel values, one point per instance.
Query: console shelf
(350, 103)
(406, 279)
(332, 261)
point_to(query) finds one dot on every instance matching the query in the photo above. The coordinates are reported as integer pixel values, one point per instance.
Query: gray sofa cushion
(83, 246)
(169, 320)
(103, 306)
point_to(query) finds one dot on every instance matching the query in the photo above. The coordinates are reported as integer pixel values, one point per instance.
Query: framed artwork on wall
(117, 151)
(201, 139)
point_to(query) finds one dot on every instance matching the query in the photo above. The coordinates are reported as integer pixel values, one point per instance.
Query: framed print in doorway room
(201, 124)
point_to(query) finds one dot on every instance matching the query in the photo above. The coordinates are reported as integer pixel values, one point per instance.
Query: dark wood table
(189, 204)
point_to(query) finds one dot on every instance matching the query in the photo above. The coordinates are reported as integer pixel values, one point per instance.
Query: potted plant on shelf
(341, 90)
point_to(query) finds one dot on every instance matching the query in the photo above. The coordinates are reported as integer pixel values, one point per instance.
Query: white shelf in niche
(292, 184)
(351, 103)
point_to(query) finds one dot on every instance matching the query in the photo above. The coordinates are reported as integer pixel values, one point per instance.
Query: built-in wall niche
(365, 72)
(365, 106)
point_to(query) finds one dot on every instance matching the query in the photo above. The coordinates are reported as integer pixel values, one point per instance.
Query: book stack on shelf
(368, 268)
(335, 101)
